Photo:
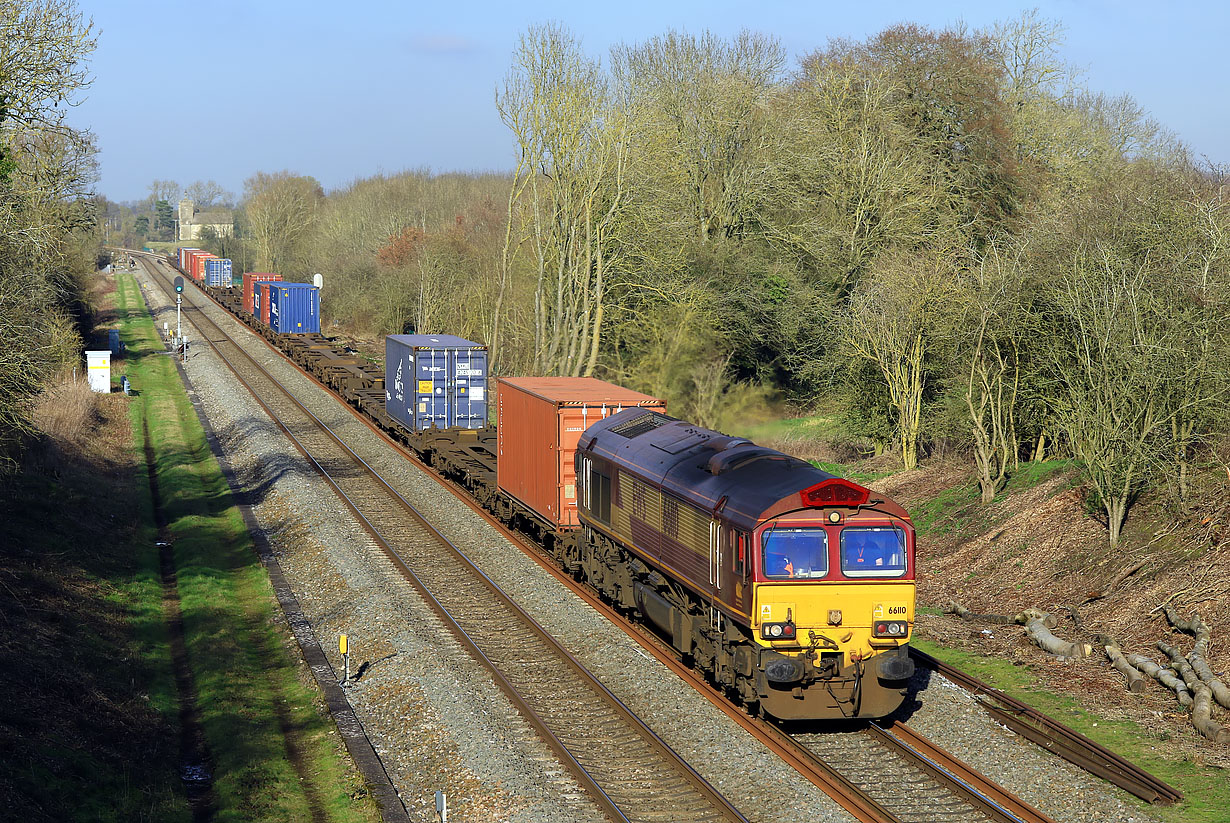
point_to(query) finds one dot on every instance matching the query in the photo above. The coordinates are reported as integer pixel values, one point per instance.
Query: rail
(1056, 738)
(501, 636)
(974, 789)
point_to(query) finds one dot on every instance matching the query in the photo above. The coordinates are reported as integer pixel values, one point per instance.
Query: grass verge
(276, 753)
(1206, 790)
(87, 723)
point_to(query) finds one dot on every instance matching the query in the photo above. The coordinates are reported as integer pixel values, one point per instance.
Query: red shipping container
(198, 266)
(182, 259)
(540, 421)
(261, 301)
(250, 279)
(190, 258)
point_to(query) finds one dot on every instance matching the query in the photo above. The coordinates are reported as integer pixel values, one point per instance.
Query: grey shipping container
(435, 380)
(218, 272)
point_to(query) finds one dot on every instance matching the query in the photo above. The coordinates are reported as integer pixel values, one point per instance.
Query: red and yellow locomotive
(792, 588)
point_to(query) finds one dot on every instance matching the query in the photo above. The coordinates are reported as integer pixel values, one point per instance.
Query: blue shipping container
(218, 272)
(435, 380)
(294, 308)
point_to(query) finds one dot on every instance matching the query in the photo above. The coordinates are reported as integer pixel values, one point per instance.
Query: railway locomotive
(791, 588)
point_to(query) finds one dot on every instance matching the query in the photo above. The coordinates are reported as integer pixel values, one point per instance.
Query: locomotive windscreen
(872, 552)
(796, 553)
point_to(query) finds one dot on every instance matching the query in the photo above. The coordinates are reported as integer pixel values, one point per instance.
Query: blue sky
(342, 90)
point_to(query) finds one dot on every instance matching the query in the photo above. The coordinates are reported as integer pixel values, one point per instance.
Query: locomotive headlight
(891, 628)
(778, 631)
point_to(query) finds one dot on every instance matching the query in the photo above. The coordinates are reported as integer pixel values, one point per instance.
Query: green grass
(818, 427)
(1031, 474)
(959, 509)
(168, 246)
(275, 754)
(1206, 790)
(87, 725)
(858, 475)
(951, 510)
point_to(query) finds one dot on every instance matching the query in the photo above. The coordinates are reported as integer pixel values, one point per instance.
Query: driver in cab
(779, 565)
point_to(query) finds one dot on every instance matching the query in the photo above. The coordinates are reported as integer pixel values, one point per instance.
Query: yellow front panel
(809, 606)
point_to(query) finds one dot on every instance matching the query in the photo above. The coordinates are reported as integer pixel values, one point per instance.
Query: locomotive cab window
(872, 552)
(739, 554)
(795, 553)
(598, 494)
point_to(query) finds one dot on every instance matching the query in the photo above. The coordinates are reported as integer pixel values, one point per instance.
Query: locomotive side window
(795, 553)
(598, 494)
(739, 555)
(872, 552)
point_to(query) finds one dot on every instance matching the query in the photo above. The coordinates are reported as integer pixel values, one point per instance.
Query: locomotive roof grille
(637, 426)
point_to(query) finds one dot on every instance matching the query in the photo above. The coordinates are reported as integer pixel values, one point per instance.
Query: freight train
(790, 588)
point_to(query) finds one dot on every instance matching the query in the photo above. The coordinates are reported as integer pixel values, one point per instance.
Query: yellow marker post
(343, 643)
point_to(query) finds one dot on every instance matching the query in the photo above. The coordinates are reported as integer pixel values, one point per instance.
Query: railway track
(911, 779)
(930, 783)
(630, 773)
(1057, 738)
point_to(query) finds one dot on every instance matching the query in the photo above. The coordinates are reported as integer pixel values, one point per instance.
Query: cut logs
(1181, 665)
(1197, 628)
(1202, 717)
(1020, 618)
(1135, 680)
(1216, 685)
(1164, 675)
(1041, 637)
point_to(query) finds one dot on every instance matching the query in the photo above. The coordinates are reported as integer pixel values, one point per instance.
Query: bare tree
(280, 209)
(46, 209)
(1107, 404)
(166, 190)
(557, 104)
(847, 180)
(43, 46)
(993, 308)
(894, 320)
(207, 193)
(704, 103)
(1198, 300)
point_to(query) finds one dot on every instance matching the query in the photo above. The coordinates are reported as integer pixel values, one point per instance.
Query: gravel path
(434, 715)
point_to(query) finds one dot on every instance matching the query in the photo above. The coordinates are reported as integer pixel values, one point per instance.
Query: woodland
(941, 238)
(48, 228)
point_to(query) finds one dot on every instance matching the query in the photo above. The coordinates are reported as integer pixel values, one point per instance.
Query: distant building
(191, 221)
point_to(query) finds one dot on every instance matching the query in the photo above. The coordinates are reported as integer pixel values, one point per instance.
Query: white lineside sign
(98, 370)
